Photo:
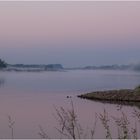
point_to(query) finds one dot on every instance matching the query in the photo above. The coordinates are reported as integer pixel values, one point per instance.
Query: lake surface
(29, 98)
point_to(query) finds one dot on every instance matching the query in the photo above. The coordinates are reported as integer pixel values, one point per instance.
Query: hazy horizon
(70, 33)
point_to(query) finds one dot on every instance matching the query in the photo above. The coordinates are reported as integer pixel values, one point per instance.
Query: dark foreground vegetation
(69, 125)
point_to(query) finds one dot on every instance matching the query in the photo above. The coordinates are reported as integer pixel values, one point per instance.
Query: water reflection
(30, 98)
(119, 104)
(2, 82)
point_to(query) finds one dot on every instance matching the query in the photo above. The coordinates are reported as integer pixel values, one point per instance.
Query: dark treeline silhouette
(2, 64)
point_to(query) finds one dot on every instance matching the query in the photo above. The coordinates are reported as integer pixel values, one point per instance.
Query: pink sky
(53, 32)
(62, 21)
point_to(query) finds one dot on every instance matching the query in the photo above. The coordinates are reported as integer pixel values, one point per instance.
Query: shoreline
(122, 95)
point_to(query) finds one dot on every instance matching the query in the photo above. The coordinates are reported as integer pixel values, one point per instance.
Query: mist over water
(30, 97)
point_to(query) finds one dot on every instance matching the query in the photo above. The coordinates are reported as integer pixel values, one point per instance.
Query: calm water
(29, 98)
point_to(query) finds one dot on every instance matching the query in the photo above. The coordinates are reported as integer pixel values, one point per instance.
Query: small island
(126, 95)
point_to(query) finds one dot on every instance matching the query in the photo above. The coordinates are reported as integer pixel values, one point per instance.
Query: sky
(70, 33)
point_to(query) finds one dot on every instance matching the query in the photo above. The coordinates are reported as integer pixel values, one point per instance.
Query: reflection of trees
(120, 103)
(2, 81)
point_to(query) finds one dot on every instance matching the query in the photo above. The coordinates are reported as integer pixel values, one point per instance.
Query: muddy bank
(127, 95)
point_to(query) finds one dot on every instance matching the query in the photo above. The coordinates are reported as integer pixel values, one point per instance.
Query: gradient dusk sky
(70, 33)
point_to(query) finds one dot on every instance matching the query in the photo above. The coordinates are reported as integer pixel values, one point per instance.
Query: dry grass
(68, 122)
(11, 124)
(69, 126)
(42, 133)
(105, 122)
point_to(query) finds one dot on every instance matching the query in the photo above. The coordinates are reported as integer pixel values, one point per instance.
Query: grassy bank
(127, 95)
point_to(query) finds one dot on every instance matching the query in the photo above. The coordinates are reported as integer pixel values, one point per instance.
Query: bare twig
(42, 133)
(68, 122)
(11, 125)
(122, 124)
(94, 127)
(105, 120)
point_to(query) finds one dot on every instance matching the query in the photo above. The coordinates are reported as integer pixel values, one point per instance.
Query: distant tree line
(115, 67)
(2, 64)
